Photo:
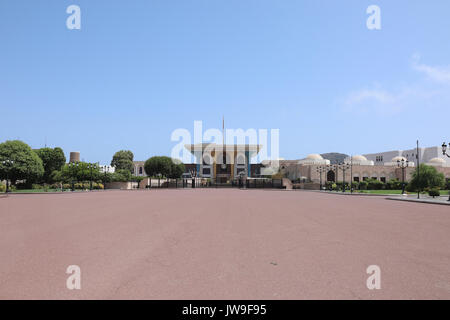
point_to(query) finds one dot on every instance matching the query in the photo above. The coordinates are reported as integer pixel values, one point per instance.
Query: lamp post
(418, 169)
(327, 168)
(335, 169)
(402, 164)
(7, 163)
(90, 167)
(319, 170)
(444, 149)
(444, 152)
(344, 166)
(105, 168)
(194, 176)
(351, 174)
(73, 168)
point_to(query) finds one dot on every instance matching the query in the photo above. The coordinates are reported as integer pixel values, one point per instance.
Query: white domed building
(358, 160)
(395, 161)
(314, 159)
(437, 162)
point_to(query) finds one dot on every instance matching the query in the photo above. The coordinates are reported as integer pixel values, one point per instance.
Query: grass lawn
(381, 191)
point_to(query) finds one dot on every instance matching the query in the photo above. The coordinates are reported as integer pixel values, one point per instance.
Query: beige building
(315, 169)
(138, 168)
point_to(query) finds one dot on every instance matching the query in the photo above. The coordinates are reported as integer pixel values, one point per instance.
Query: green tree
(52, 160)
(23, 162)
(167, 167)
(427, 178)
(158, 165)
(79, 171)
(177, 169)
(123, 160)
(122, 175)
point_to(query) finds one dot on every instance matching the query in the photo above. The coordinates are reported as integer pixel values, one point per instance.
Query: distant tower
(75, 156)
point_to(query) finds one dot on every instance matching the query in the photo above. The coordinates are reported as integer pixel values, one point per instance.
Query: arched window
(331, 176)
(240, 159)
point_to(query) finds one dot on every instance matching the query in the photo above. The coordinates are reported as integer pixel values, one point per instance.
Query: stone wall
(121, 185)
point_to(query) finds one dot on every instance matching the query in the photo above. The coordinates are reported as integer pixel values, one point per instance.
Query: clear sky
(139, 69)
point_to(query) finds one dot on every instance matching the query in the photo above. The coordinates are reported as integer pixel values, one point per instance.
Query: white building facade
(425, 155)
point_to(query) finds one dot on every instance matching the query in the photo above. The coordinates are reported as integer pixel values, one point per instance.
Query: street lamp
(444, 152)
(319, 170)
(402, 164)
(7, 163)
(90, 167)
(344, 167)
(105, 168)
(351, 174)
(73, 168)
(444, 149)
(194, 176)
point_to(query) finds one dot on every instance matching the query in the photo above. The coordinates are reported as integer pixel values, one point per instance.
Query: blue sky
(137, 70)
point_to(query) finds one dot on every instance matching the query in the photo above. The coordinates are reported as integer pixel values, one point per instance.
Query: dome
(314, 156)
(314, 159)
(398, 158)
(437, 162)
(359, 158)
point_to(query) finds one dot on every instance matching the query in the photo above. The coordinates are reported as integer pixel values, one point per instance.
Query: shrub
(78, 185)
(97, 186)
(410, 188)
(428, 177)
(23, 186)
(434, 192)
(394, 184)
(55, 186)
(36, 186)
(67, 186)
(363, 185)
(374, 184)
(2, 187)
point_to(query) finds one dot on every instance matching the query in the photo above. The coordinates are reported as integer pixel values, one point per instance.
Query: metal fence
(253, 183)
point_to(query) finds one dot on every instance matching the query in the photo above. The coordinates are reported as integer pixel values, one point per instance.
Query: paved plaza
(222, 244)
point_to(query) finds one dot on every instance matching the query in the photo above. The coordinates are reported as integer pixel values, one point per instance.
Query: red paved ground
(222, 244)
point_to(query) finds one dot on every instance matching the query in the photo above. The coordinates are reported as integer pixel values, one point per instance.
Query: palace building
(314, 169)
(219, 162)
(223, 162)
